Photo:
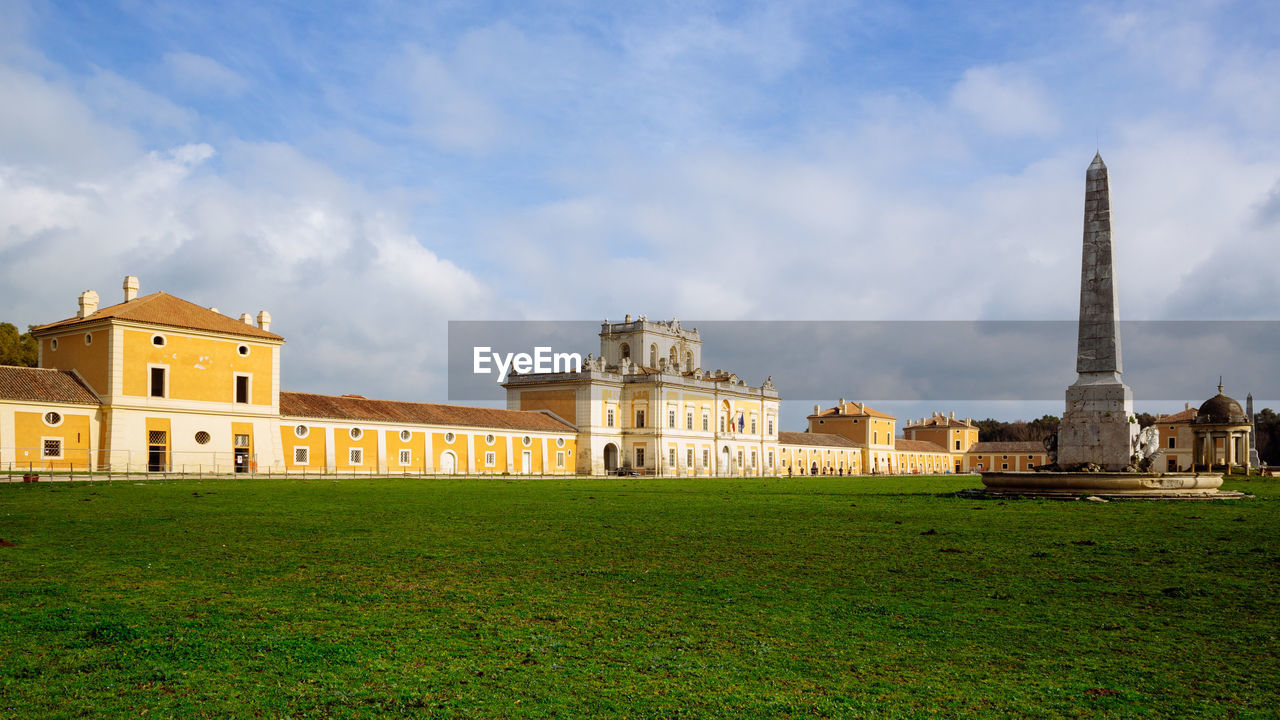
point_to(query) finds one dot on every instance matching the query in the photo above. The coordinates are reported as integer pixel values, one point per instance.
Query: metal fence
(30, 464)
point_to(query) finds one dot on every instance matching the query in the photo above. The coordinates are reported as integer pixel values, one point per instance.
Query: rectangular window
(688, 420)
(490, 459)
(608, 417)
(753, 425)
(560, 459)
(957, 444)
(689, 458)
(706, 421)
(1004, 466)
(753, 458)
(406, 457)
(639, 457)
(770, 426)
(301, 455)
(52, 448)
(157, 382)
(1173, 442)
(671, 418)
(770, 459)
(739, 458)
(240, 441)
(706, 459)
(875, 438)
(355, 456)
(639, 418)
(671, 457)
(721, 423)
(242, 388)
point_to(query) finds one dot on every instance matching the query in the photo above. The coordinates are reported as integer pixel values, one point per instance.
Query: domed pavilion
(1221, 432)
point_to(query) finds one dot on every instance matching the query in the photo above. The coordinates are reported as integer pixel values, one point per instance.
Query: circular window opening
(88, 338)
(202, 437)
(488, 439)
(527, 441)
(301, 431)
(157, 340)
(559, 442)
(568, 453)
(356, 433)
(52, 418)
(448, 437)
(405, 435)
(53, 344)
(243, 350)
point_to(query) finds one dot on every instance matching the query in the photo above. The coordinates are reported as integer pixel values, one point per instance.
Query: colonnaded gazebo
(1220, 418)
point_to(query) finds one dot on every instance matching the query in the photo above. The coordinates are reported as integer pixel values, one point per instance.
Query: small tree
(15, 348)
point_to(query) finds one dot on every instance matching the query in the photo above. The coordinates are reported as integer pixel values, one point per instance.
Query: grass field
(836, 597)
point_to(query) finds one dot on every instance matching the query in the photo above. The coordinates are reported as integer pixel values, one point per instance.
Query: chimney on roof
(628, 320)
(862, 408)
(264, 320)
(246, 318)
(968, 421)
(817, 409)
(1187, 406)
(842, 402)
(130, 287)
(953, 414)
(88, 304)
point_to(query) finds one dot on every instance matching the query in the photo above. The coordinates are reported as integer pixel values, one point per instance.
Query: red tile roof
(852, 409)
(1184, 416)
(823, 439)
(44, 385)
(354, 407)
(937, 421)
(164, 309)
(916, 445)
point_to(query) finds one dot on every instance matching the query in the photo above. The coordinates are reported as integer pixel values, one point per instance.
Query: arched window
(688, 359)
(625, 351)
(673, 357)
(653, 356)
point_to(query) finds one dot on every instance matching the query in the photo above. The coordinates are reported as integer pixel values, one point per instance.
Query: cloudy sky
(368, 172)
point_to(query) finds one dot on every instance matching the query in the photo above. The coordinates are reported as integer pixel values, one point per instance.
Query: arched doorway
(724, 460)
(610, 457)
(448, 462)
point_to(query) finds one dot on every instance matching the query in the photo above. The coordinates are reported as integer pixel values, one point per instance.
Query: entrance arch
(724, 460)
(448, 462)
(610, 457)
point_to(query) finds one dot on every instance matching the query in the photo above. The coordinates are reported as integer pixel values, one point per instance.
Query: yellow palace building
(156, 383)
(159, 384)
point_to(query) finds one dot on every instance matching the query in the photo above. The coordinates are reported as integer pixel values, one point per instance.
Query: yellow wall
(499, 448)
(416, 445)
(342, 444)
(459, 448)
(91, 361)
(314, 440)
(30, 431)
(201, 369)
(563, 403)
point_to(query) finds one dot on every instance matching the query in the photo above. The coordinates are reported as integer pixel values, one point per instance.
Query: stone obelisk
(1096, 427)
(1254, 460)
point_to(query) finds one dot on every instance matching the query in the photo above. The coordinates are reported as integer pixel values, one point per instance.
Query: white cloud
(361, 300)
(192, 73)
(1005, 101)
(450, 110)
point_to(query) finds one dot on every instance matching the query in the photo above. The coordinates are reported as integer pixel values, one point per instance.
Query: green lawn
(837, 597)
